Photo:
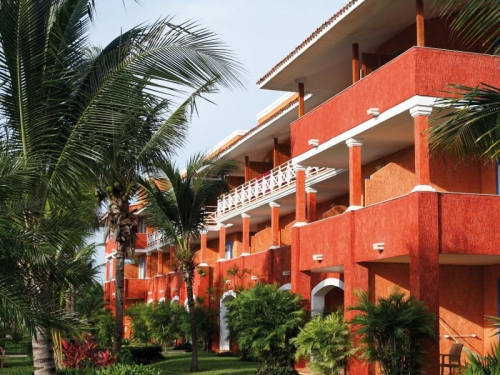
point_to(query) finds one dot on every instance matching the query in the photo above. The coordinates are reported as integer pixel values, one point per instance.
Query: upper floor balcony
(276, 181)
(417, 73)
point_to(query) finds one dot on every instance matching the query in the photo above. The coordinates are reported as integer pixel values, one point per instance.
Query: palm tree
(470, 125)
(177, 207)
(60, 104)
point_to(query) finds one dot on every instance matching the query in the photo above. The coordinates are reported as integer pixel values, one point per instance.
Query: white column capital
(204, 231)
(354, 142)
(310, 190)
(421, 110)
(274, 204)
(245, 216)
(298, 167)
(222, 225)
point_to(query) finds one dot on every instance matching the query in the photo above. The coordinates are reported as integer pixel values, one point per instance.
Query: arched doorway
(224, 344)
(332, 287)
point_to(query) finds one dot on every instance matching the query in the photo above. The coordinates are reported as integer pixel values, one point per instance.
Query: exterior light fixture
(313, 142)
(318, 257)
(254, 278)
(373, 112)
(228, 282)
(378, 246)
(286, 273)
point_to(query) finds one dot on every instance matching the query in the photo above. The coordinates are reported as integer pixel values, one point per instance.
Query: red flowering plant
(83, 353)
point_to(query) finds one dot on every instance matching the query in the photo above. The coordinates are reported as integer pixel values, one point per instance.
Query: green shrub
(328, 341)
(125, 357)
(276, 370)
(146, 354)
(16, 371)
(129, 370)
(487, 365)
(392, 330)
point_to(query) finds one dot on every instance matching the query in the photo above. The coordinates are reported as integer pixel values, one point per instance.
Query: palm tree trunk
(119, 283)
(43, 355)
(194, 339)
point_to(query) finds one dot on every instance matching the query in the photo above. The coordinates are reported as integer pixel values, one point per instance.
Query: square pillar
(276, 153)
(300, 194)
(355, 63)
(173, 250)
(420, 23)
(246, 233)
(203, 248)
(275, 225)
(424, 266)
(148, 265)
(107, 270)
(422, 165)
(311, 204)
(222, 242)
(355, 179)
(301, 99)
(160, 263)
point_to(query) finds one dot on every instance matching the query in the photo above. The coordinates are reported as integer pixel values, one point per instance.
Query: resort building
(337, 191)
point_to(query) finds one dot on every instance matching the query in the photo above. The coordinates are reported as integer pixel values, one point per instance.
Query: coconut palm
(177, 207)
(469, 126)
(60, 104)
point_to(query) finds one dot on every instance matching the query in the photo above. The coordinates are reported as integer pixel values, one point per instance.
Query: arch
(319, 291)
(162, 299)
(286, 286)
(224, 344)
(175, 299)
(150, 301)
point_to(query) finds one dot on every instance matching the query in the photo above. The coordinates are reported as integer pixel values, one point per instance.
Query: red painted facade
(389, 216)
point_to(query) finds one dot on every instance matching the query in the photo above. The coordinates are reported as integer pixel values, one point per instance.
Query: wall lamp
(286, 273)
(254, 278)
(373, 112)
(378, 246)
(318, 257)
(313, 142)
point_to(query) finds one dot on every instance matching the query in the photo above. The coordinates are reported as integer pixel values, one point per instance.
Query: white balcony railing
(279, 178)
(156, 240)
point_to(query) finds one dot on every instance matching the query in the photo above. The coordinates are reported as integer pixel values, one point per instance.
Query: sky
(259, 32)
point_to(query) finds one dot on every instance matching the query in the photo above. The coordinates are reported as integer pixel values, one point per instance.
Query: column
(159, 271)
(203, 248)
(275, 225)
(246, 233)
(424, 265)
(113, 268)
(355, 179)
(148, 265)
(420, 23)
(355, 63)
(300, 194)
(311, 204)
(107, 270)
(222, 242)
(301, 99)
(421, 115)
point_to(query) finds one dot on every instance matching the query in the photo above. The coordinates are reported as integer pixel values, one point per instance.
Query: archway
(174, 300)
(320, 291)
(224, 344)
(287, 286)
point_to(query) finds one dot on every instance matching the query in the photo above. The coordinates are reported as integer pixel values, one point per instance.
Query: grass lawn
(15, 366)
(208, 364)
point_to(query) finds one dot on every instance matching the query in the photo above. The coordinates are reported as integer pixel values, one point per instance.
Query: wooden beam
(355, 62)
(420, 24)
(276, 153)
(247, 168)
(301, 100)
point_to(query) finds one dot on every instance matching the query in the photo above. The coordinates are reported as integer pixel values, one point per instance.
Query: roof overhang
(324, 59)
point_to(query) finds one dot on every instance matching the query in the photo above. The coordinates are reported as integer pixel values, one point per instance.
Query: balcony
(276, 181)
(417, 72)
(462, 227)
(155, 241)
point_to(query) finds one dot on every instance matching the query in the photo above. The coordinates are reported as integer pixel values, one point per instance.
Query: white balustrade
(155, 240)
(279, 178)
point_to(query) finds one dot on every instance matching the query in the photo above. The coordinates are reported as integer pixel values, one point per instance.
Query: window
(141, 225)
(142, 268)
(229, 250)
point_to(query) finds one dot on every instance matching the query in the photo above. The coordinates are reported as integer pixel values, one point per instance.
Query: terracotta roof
(308, 41)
